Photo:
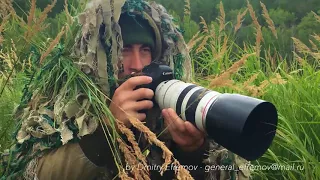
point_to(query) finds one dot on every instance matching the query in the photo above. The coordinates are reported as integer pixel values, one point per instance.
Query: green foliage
(282, 18)
(307, 27)
(292, 18)
(296, 142)
(9, 101)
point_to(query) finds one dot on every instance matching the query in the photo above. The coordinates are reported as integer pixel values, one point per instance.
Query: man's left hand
(184, 133)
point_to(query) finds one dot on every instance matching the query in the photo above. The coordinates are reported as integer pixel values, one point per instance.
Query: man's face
(135, 58)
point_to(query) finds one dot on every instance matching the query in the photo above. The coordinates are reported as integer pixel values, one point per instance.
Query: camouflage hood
(97, 53)
(101, 33)
(51, 115)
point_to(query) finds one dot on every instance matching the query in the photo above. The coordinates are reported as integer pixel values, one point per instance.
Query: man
(148, 35)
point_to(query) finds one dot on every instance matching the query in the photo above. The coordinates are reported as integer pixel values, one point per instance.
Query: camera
(244, 125)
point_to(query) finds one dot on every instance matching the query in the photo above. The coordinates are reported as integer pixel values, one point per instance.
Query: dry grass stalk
(30, 19)
(222, 17)
(194, 40)
(316, 16)
(316, 37)
(254, 91)
(213, 31)
(69, 17)
(52, 45)
(314, 46)
(213, 47)
(316, 56)
(301, 61)
(260, 90)
(182, 174)
(251, 79)
(225, 83)
(152, 139)
(135, 166)
(2, 25)
(5, 7)
(45, 12)
(220, 79)
(131, 138)
(203, 44)
(278, 79)
(223, 49)
(124, 176)
(9, 58)
(272, 59)
(270, 23)
(259, 37)
(205, 28)
(37, 26)
(31, 13)
(240, 19)
(187, 8)
(301, 47)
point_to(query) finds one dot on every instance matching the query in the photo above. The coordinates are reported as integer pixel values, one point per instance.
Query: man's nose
(136, 63)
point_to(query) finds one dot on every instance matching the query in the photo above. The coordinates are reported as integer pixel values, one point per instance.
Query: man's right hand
(127, 101)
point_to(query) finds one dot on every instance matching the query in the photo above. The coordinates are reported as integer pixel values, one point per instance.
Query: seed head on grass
(259, 37)
(201, 47)
(316, 37)
(240, 19)
(152, 139)
(52, 45)
(45, 12)
(251, 79)
(34, 26)
(220, 79)
(270, 23)
(222, 17)
(2, 25)
(213, 31)
(204, 28)
(313, 45)
(5, 7)
(316, 16)
(223, 49)
(278, 79)
(194, 40)
(301, 47)
(123, 129)
(131, 160)
(31, 15)
(187, 8)
(69, 17)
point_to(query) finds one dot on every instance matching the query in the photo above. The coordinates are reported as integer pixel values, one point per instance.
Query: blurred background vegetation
(265, 49)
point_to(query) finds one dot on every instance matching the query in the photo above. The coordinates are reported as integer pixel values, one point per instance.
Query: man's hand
(127, 101)
(184, 133)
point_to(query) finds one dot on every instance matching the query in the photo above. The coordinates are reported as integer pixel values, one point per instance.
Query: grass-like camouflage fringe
(63, 100)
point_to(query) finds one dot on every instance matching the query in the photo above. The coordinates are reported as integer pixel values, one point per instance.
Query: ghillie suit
(65, 129)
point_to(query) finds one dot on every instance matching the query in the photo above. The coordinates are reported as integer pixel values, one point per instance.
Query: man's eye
(125, 50)
(146, 49)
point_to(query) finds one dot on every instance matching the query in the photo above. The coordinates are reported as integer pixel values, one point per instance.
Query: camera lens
(242, 124)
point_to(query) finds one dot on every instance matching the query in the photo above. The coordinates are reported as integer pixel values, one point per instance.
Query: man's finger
(141, 93)
(133, 82)
(192, 130)
(178, 123)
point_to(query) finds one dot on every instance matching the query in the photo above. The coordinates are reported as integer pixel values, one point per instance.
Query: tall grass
(219, 64)
(11, 98)
(293, 86)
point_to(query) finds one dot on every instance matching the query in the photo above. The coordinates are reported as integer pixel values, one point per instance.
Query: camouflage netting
(54, 117)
